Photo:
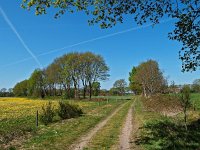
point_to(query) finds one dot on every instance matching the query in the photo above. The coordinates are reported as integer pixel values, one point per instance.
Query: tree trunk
(144, 92)
(60, 89)
(84, 92)
(90, 86)
(54, 89)
(69, 91)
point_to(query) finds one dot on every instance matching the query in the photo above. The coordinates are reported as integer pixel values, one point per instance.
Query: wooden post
(37, 118)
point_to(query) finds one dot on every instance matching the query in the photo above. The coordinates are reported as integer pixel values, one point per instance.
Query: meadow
(157, 123)
(18, 127)
(162, 131)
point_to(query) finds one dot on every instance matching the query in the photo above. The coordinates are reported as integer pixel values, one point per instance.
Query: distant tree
(113, 91)
(120, 86)
(96, 88)
(51, 79)
(133, 83)
(65, 75)
(196, 86)
(104, 92)
(85, 68)
(150, 77)
(21, 88)
(3, 92)
(36, 84)
(96, 70)
(10, 90)
(186, 14)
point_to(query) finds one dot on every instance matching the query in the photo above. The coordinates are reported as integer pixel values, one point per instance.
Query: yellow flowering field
(19, 107)
(22, 107)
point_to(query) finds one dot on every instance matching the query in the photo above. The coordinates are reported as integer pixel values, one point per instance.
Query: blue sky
(44, 34)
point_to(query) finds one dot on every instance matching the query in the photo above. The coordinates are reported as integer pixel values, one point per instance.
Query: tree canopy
(120, 86)
(70, 76)
(186, 14)
(147, 77)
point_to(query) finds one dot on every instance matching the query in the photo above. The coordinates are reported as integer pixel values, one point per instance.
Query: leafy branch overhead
(107, 13)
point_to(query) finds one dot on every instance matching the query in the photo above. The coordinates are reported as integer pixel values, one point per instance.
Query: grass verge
(62, 134)
(158, 132)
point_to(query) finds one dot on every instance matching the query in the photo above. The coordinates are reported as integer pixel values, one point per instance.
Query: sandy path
(83, 141)
(125, 137)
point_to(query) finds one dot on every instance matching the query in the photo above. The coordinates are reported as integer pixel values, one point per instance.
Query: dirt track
(125, 137)
(83, 141)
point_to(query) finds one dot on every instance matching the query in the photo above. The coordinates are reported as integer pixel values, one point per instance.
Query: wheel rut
(125, 137)
(84, 140)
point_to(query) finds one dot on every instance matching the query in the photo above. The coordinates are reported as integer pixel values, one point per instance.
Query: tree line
(72, 75)
(147, 79)
(76, 75)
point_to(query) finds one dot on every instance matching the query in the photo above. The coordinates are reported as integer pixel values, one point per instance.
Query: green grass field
(160, 132)
(155, 130)
(18, 123)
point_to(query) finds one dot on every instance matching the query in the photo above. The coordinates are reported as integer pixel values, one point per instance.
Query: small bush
(48, 113)
(67, 111)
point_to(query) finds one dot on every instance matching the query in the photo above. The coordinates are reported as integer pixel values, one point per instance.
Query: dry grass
(167, 105)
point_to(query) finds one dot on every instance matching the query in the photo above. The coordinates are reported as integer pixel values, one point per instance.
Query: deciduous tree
(120, 85)
(133, 83)
(150, 77)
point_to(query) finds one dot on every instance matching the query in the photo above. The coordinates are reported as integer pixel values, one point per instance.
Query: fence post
(37, 118)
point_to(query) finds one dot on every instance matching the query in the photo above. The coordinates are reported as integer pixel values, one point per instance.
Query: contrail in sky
(100, 37)
(19, 37)
(89, 41)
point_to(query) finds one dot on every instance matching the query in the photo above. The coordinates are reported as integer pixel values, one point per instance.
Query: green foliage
(96, 88)
(62, 134)
(133, 84)
(185, 95)
(21, 88)
(48, 113)
(6, 92)
(186, 103)
(67, 111)
(65, 75)
(158, 132)
(114, 91)
(69, 94)
(195, 100)
(147, 77)
(12, 148)
(36, 84)
(120, 86)
(164, 134)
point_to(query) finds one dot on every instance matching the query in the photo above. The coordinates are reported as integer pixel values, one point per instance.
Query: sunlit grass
(17, 118)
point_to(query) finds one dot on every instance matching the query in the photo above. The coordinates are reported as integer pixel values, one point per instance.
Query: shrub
(67, 111)
(48, 113)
